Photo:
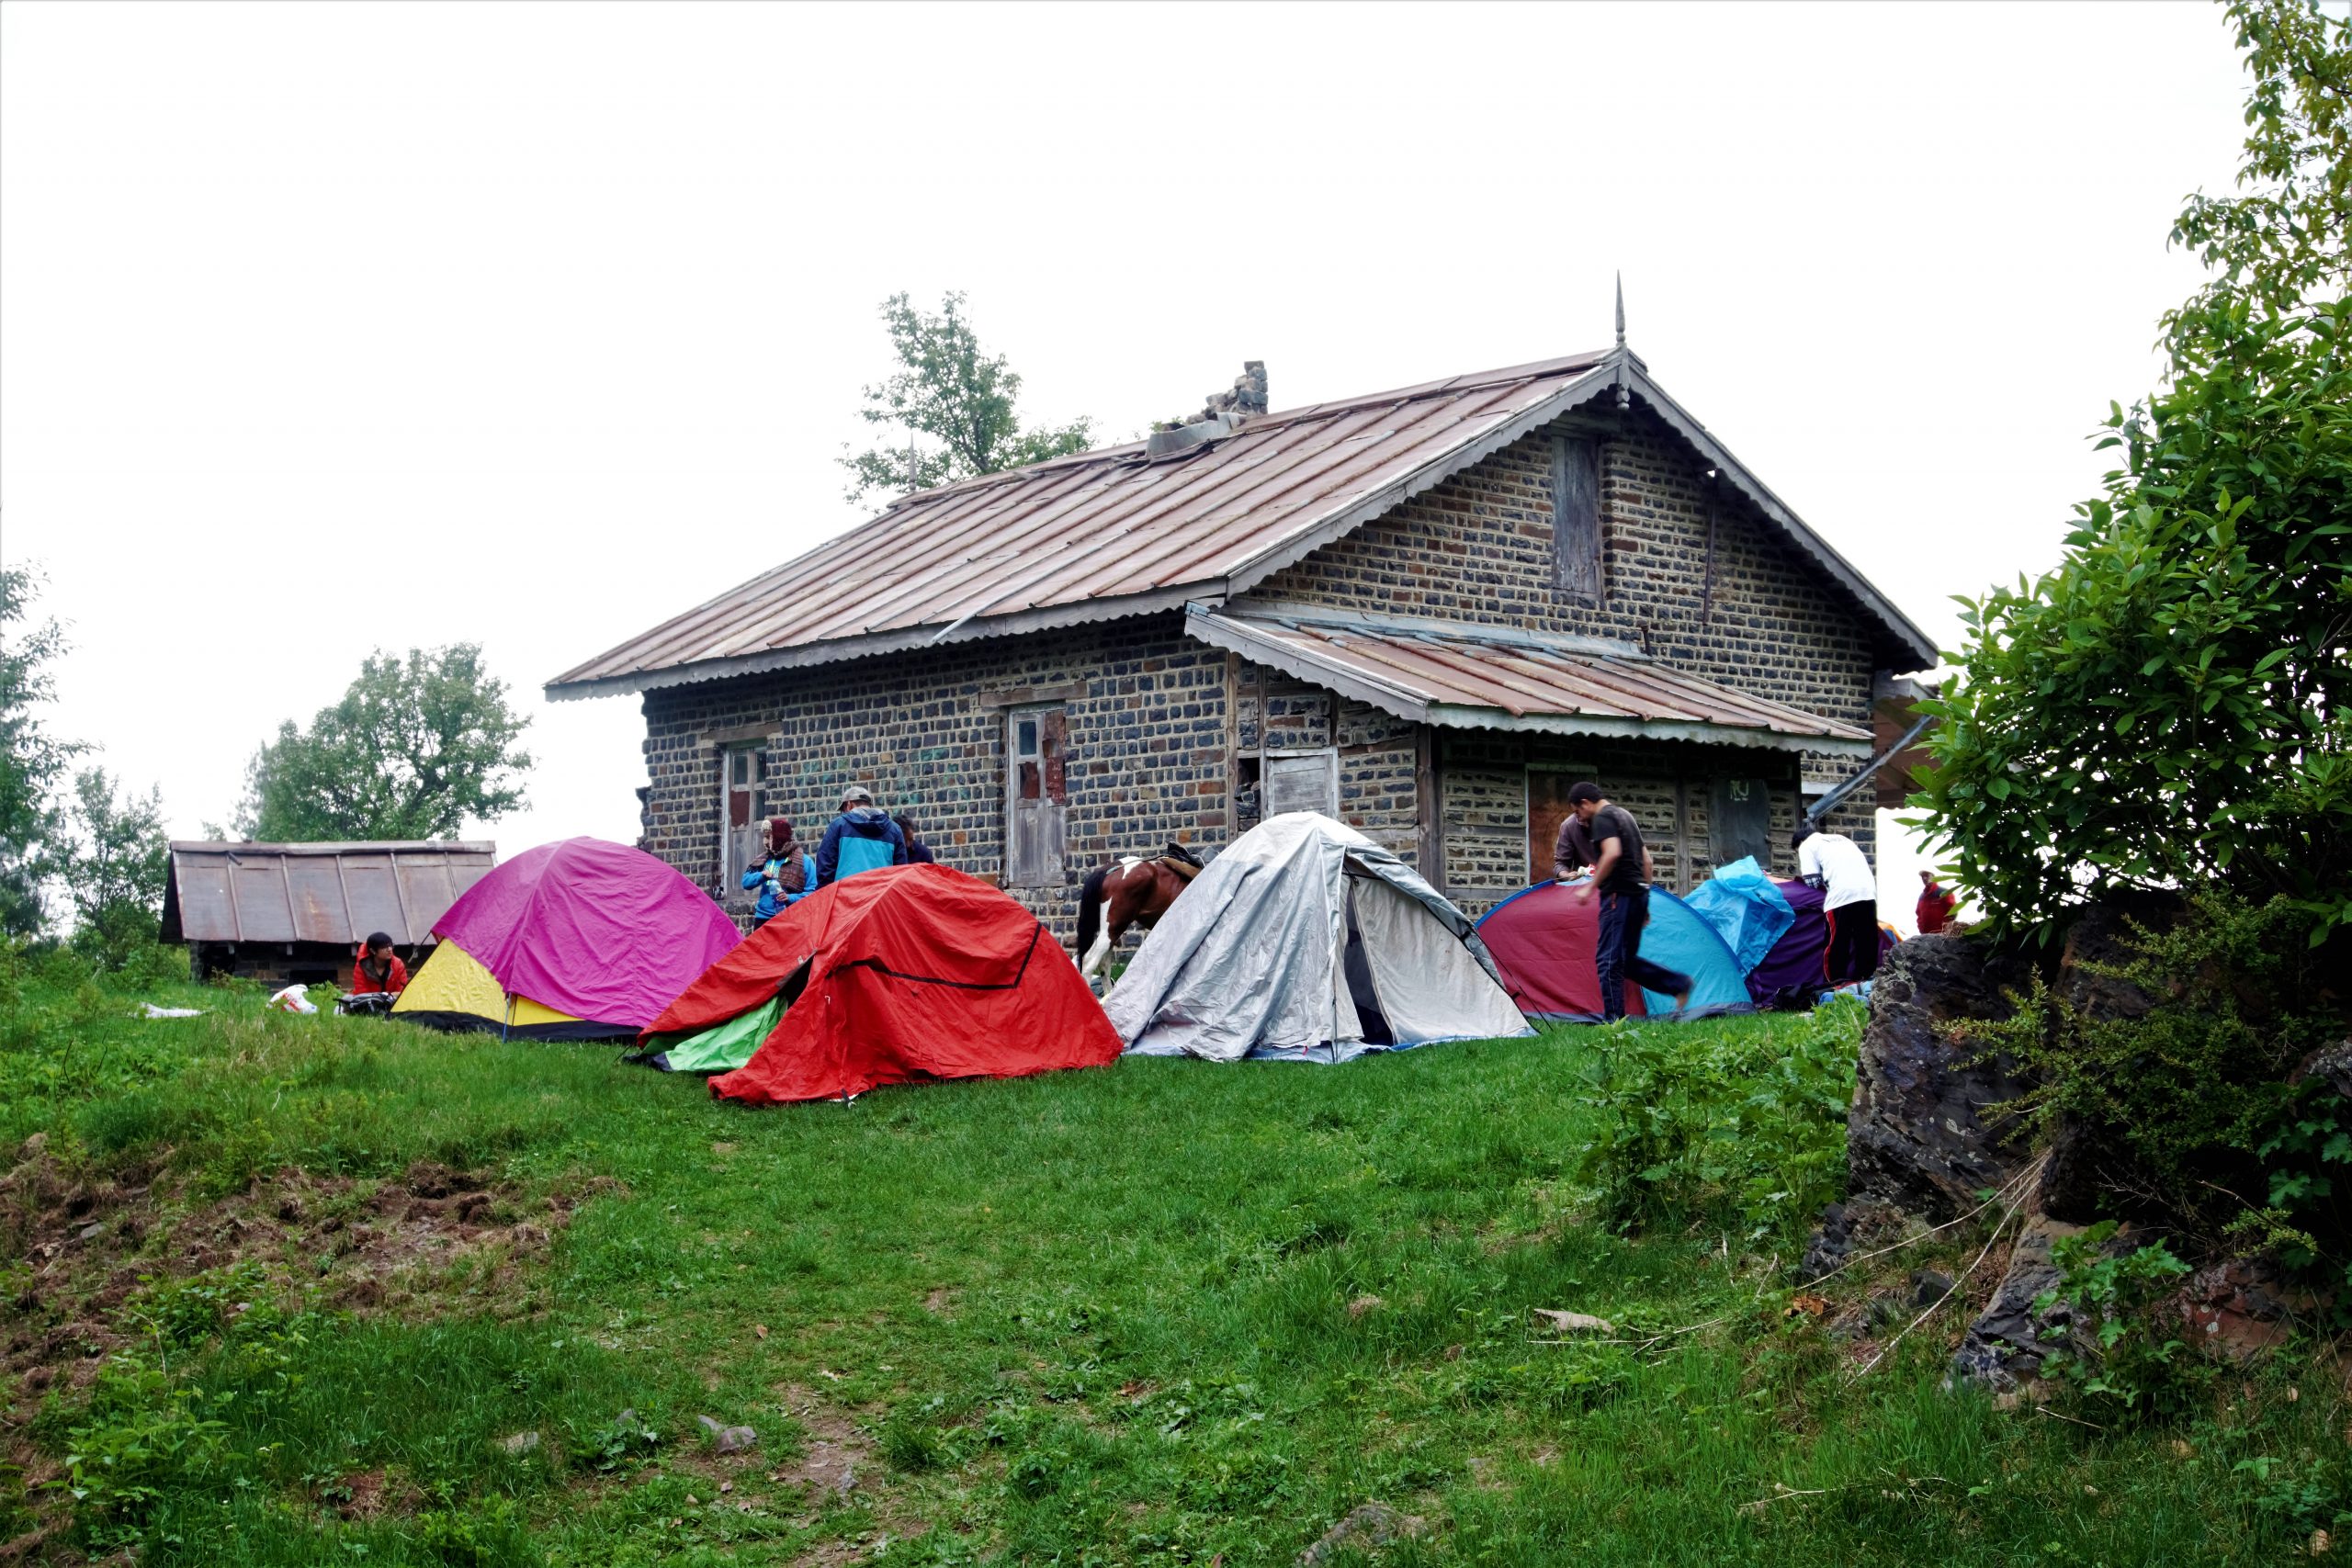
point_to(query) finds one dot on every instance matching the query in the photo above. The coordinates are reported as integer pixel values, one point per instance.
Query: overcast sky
(326, 328)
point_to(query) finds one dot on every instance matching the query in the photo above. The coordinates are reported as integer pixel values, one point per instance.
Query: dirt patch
(76, 1247)
(838, 1459)
(940, 1301)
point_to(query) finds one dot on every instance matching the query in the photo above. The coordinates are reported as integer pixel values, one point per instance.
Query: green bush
(2135, 1364)
(2195, 1098)
(1745, 1129)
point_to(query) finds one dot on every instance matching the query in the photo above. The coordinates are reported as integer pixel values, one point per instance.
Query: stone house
(1424, 612)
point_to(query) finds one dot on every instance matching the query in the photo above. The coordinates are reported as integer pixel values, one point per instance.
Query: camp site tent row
(1304, 940)
(579, 940)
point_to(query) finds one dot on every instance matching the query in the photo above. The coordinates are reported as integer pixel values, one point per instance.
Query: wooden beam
(1021, 697)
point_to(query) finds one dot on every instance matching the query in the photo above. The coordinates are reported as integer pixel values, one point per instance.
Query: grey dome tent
(1305, 941)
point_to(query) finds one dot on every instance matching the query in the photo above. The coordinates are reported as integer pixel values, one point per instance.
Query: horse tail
(1089, 910)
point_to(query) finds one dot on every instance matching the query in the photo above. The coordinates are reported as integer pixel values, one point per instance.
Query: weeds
(1737, 1127)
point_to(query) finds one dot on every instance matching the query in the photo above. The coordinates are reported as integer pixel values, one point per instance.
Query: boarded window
(1575, 520)
(1037, 795)
(1741, 822)
(1303, 781)
(742, 832)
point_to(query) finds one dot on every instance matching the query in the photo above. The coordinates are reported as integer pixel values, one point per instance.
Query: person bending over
(1835, 864)
(1622, 872)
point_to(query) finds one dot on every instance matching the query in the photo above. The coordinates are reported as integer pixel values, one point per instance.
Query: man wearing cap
(861, 838)
(1621, 870)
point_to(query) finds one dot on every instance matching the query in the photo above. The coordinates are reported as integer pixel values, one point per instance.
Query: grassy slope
(1099, 1316)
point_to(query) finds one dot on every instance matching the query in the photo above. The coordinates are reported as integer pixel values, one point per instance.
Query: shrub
(2195, 1099)
(2121, 1293)
(1746, 1128)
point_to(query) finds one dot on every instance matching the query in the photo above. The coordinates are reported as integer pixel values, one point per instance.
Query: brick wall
(1477, 548)
(1147, 759)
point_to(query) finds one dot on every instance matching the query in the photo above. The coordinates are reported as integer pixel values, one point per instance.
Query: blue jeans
(1619, 954)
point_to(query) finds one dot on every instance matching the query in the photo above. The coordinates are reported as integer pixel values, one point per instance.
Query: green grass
(1091, 1317)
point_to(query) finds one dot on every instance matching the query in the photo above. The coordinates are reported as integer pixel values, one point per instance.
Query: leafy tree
(2173, 705)
(113, 859)
(953, 406)
(32, 761)
(415, 748)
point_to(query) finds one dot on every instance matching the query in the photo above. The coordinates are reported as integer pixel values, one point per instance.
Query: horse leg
(1106, 935)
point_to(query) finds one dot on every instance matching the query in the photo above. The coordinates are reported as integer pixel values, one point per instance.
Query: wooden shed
(296, 913)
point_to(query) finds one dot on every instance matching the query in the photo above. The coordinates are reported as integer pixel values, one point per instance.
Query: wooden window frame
(730, 871)
(1056, 874)
(1285, 753)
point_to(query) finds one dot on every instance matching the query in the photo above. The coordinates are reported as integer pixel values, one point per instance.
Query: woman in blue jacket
(787, 876)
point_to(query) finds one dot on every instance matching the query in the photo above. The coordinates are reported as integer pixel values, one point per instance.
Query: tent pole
(510, 1018)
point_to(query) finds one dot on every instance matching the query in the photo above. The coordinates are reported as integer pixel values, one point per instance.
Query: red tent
(896, 976)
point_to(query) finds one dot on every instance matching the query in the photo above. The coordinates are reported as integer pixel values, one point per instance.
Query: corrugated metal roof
(1427, 672)
(330, 893)
(1115, 533)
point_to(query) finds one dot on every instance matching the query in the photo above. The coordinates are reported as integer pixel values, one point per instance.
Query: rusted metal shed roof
(332, 893)
(1499, 679)
(1117, 532)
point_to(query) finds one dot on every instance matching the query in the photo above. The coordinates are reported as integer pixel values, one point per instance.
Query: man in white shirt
(1835, 864)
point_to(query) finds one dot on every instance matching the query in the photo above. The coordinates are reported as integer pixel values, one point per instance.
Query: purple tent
(592, 928)
(1795, 961)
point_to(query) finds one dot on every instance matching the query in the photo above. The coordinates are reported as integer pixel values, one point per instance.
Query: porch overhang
(1461, 676)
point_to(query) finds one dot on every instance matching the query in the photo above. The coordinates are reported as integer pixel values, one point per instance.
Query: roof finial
(1620, 309)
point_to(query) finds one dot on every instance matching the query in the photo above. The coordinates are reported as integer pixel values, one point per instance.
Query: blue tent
(1747, 909)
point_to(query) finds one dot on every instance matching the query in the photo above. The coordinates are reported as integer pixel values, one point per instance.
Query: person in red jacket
(379, 968)
(1936, 904)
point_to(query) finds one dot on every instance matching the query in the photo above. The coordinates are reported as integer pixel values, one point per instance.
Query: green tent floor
(721, 1048)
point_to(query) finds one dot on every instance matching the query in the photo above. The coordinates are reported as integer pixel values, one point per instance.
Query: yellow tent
(452, 990)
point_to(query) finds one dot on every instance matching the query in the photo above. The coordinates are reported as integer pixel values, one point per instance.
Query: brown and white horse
(1134, 892)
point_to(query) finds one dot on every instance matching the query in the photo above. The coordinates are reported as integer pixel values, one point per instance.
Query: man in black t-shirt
(1622, 873)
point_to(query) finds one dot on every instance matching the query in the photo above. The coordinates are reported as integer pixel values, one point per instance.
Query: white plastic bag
(294, 998)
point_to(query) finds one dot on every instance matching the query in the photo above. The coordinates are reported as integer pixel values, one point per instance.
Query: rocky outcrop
(1926, 1132)
(2004, 1348)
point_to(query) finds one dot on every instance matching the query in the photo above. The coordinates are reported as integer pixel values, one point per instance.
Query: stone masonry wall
(1146, 760)
(1477, 548)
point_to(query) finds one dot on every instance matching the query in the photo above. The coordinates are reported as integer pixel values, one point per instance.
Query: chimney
(1224, 413)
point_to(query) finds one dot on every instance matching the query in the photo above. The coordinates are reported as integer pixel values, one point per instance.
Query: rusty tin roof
(1118, 532)
(330, 893)
(1495, 678)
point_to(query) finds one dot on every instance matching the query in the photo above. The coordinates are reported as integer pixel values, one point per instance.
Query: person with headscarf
(786, 877)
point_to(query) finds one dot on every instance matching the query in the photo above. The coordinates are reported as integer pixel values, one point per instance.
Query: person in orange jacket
(379, 967)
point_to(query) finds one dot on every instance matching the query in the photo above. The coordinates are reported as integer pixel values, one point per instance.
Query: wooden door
(1740, 821)
(1548, 807)
(1037, 795)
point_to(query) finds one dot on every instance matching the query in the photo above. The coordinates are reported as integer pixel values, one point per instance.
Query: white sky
(331, 327)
